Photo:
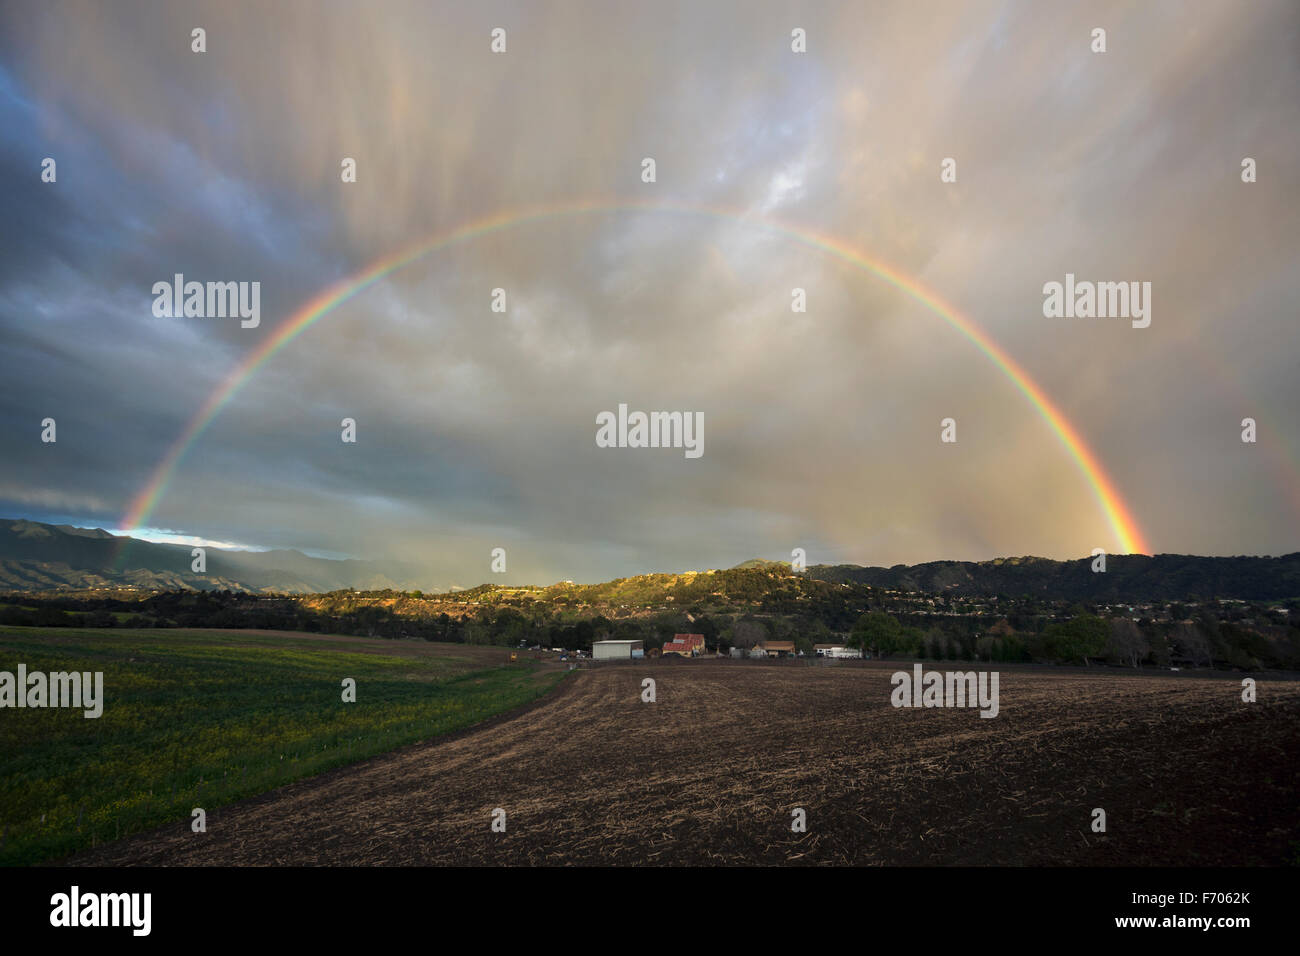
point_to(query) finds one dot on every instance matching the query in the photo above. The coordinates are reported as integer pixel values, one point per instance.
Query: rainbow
(1125, 528)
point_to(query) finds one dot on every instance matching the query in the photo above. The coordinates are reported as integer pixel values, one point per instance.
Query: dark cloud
(476, 429)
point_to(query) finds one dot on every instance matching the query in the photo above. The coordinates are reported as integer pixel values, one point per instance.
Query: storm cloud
(476, 429)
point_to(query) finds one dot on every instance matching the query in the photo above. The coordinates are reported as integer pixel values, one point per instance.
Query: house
(778, 648)
(617, 650)
(696, 641)
(687, 645)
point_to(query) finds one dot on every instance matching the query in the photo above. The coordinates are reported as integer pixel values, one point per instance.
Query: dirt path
(711, 771)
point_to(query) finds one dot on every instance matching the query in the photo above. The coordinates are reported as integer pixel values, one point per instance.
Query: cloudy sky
(476, 429)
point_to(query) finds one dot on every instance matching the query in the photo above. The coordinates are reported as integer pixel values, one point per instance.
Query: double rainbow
(1126, 530)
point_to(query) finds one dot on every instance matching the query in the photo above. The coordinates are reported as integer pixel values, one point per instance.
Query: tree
(1127, 643)
(935, 643)
(746, 634)
(726, 637)
(877, 633)
(817, 633)
(1081, 637)
(909, 641)
(1086, 637)
(1191, 643)
(704, 625)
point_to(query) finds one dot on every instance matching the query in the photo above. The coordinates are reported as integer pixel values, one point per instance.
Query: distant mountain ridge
(1128, 577)
(44, 557)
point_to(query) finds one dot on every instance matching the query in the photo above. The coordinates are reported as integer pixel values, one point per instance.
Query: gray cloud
(477, 429)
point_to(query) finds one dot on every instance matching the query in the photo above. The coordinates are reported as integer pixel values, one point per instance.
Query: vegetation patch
(204, 718)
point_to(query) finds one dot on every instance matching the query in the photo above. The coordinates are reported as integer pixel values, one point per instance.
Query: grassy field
(201, 718)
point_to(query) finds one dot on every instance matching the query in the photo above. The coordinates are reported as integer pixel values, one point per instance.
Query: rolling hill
(46, 557)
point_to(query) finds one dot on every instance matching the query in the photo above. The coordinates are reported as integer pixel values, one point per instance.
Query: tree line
(1076, 636)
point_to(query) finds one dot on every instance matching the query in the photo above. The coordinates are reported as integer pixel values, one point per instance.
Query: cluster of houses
(692, 645)
(786, 649)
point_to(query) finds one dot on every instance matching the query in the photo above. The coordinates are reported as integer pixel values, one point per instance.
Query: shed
(616, 650)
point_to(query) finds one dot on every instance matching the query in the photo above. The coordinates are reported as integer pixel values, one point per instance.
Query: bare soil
(710, 773)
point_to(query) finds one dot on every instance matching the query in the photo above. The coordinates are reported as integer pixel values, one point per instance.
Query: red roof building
(688, 645)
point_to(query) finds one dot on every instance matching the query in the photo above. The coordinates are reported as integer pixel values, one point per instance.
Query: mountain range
(45, 557)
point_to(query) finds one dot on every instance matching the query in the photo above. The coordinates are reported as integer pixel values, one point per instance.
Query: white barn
(616, 650)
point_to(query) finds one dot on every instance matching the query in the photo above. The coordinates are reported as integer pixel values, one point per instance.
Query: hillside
(46, 557)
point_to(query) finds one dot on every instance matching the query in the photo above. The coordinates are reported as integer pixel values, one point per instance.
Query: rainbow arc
(1127, 533)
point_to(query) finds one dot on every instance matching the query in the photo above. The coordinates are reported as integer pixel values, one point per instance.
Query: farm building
(687, 645)
(837, 650)
(616, 650)
(778, 648)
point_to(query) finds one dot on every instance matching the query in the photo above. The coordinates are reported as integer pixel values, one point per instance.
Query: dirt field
(709, 774)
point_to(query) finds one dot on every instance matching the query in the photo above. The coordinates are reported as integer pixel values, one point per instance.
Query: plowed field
(710, 773)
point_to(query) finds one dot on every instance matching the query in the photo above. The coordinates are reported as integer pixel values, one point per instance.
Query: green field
(204, 718)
